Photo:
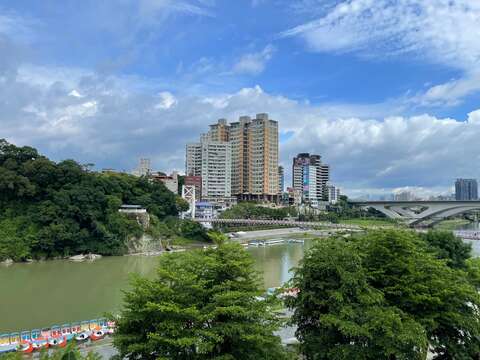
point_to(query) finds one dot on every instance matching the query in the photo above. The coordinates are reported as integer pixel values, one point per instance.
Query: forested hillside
(50, 209)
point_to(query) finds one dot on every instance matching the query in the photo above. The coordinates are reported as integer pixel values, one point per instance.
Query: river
(42, 294)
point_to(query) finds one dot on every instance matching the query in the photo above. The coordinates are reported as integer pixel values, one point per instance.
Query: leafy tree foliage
(386, 295)
(50, 209)
(202, 305)
(449, 247)
(246, 210)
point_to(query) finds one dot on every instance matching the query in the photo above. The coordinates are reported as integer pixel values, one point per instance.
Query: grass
(452, 224)
(371, 222)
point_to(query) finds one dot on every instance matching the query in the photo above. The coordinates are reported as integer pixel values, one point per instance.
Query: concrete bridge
(416, 212)
(292, 223)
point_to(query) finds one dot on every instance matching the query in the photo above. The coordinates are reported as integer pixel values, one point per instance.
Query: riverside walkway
(468, 234)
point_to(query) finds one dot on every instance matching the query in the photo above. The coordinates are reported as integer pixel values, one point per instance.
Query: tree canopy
(202, 305)
(387, 295)
(50, 209)
(247, 210)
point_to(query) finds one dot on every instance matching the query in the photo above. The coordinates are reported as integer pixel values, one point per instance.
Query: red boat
(59, 341)
(25, 347)
(40, 343)
(97, 335)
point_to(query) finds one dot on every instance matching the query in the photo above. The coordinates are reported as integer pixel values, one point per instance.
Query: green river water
(48, 293)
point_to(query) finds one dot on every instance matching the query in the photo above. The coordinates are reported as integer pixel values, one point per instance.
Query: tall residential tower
(254, 156)
(466, 189)
(310, 177)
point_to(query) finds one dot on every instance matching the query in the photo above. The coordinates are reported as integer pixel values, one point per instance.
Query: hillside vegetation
(50, 209)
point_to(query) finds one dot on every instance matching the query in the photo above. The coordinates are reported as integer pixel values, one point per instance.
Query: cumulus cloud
(112, 120)
(97, 119)
(439, 31)
(254, 63)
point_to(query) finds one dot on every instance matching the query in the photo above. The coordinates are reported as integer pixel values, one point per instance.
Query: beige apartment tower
(254, 145)
(254, 156)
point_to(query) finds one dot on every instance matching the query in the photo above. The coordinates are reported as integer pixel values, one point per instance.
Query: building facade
(333, 194)
(144, 168)
(216, 170)
(310, 177)
(281, 180)
(253, 165)
(466, 189)
(170, 181)
(193, 159)
(404, 196)
(255, 158)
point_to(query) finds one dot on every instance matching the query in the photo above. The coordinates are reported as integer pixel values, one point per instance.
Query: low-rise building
(170, 181)
(205, 210)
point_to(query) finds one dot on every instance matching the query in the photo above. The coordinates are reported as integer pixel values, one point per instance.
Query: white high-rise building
(144, 168)
(193, 163)
(216, 170)
(333, 194)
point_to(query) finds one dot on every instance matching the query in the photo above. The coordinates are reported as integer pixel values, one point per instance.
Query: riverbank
(452, 224)
(246, 236)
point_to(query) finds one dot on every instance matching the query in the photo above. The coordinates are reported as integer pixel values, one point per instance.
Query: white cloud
(113, 128)
(17, 27)
(166, 100)
(443, 32)
(254, 63)
(151, 11)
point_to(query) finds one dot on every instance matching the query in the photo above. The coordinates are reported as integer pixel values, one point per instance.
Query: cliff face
(142, 218)
(144, 244)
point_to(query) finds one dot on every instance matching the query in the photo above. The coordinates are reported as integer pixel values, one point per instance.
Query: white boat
(273, 242)
(83, 336)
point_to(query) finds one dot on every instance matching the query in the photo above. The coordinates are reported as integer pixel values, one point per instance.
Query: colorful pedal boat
(97, 334)
(8, 348)
(59, 341)
(85, 335)
(25, 347)
(40, 343)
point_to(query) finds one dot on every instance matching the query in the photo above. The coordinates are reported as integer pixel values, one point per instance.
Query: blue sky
(387, 91)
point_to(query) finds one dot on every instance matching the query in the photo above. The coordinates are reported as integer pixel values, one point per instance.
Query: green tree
(202, 305)
(384, 295)
(449, 247)
(50, 209)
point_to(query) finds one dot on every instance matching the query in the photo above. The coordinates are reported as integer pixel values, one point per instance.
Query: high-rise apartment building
(333, 194)
(216, 170)
(144, 168)
(255, 158)
(404, 196)
(310, 177)
(281, 180)
(193, 159)
(466, 189)
(209, 162)
(253, 145)
(219, 131)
